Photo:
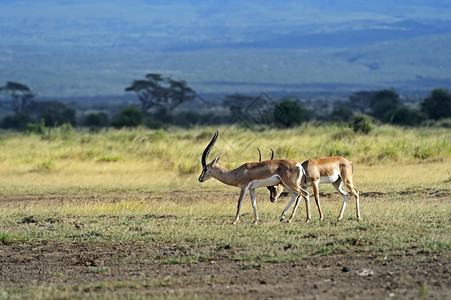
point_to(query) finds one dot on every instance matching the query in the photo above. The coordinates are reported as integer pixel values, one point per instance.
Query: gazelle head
(206, 168)
(274, 191)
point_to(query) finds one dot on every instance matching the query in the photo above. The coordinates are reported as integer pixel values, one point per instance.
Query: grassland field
(122, 212)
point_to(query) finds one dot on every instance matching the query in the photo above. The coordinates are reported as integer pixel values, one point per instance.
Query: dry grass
(160, 161)
(117, 181)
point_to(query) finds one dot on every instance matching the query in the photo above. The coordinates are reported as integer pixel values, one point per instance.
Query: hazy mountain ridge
(67, 48)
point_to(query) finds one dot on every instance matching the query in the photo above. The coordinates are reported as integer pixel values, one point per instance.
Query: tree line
(159, 96)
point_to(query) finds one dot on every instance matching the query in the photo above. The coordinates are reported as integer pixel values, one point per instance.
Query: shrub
(405, 116)
(341, 115)
(362, 124)
(129, 117)
(288, 113)
(438, 104)
(96, 120)
(35, 128)
(17, 121)
(58, 117)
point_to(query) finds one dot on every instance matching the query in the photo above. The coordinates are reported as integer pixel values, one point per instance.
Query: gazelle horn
(207, 150)
(260, 154)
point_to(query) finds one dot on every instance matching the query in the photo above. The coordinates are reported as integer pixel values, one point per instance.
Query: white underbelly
(273, 180)
(326, 179)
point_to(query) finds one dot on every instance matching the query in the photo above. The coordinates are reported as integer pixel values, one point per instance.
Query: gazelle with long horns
(253, 175)
(335, 170)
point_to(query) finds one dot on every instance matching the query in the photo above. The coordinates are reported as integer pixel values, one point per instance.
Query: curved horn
(272, 153)
(207, 150)
(259, 154)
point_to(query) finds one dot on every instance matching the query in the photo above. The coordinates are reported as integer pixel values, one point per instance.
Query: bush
(58, 117)
(438, 104)
(341, 115)
(362, 124)
(405, 116)
(288, 113)
(18, 121)
(129, 117)
(36, 128)
(96, 120)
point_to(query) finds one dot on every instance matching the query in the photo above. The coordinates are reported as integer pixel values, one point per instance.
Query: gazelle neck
(224, 175)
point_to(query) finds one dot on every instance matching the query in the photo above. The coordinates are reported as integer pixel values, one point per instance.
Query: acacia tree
(20, 95)
(161, 92)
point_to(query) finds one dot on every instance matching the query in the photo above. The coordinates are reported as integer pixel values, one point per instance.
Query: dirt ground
(348, 275)
(353, 274)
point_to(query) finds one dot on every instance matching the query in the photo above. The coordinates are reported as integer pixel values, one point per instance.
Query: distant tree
(236, 103)
(17, 121)
(129, 117)
(362, 101)
(54, 113)
(341, 114)
(406, 117)
(160, 92)
(383, 102)
(20, 95)
(437, 105)
(96, 120)
(288, 113)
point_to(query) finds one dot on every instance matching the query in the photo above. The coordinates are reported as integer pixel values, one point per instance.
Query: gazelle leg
(240, 201)
(293, 198)
(302, 194)
(294, 208)
(316, 193)
(339, 187)
(357, 207)
(355, 192)
(254, 204)
(307, 207)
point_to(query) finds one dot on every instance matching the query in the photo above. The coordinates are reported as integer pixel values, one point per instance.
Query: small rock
(365, 272)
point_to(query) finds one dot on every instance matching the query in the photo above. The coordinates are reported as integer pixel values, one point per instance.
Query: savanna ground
(120, 214)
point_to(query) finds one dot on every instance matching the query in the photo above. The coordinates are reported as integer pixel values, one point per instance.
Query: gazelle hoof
(281, 220)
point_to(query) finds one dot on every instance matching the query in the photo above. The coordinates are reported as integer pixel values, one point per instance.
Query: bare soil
(352, 274)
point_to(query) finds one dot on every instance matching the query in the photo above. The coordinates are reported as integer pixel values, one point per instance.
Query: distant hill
(97, 48)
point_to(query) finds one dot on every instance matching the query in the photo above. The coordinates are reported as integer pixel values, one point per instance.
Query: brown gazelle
(335, 170)
(253, 175)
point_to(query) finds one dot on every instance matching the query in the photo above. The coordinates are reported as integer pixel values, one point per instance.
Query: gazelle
(335, 170)
(253, 175)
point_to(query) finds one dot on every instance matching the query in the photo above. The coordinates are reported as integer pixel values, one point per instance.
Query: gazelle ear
(214, 161)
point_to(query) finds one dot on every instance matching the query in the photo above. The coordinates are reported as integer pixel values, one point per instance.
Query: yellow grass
(140, 186)
(390, 159)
